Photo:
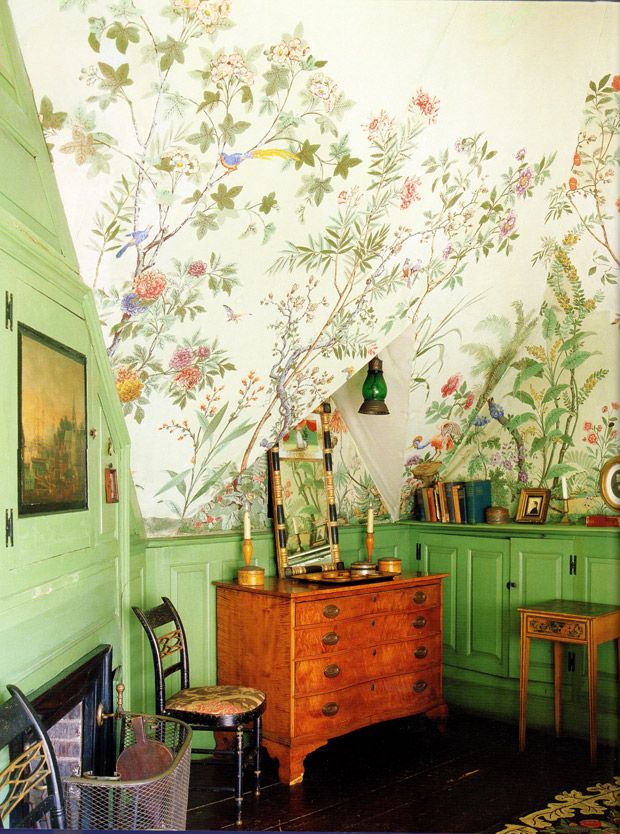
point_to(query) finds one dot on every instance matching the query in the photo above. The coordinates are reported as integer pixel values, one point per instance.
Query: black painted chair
(30, 785)
(232, 709)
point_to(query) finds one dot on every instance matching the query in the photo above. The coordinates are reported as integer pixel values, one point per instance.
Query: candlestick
(370, 526)
(250, 574)
(564, 489)
(370, 543)
(247, 527)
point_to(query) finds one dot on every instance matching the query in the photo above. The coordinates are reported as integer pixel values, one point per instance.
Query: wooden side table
(560, 621)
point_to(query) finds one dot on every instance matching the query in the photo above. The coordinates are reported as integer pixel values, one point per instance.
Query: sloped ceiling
(264, 194)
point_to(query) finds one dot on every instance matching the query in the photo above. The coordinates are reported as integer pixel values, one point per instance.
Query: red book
(603, 521)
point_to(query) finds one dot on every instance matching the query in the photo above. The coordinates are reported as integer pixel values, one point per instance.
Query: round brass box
(496, 515)
(251, 576)
(390, 565)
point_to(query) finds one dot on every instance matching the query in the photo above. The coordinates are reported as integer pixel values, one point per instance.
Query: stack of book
(453, 502)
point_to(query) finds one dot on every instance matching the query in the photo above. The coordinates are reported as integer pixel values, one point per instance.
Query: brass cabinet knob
(374, 597)
(419, 686)
(331, 708)
(331, 671)
(331, 638)
(420, 652)
(331, 611)
(419, 622)
(419, 597)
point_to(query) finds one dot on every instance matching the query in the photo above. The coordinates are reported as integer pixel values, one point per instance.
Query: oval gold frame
(609, 470)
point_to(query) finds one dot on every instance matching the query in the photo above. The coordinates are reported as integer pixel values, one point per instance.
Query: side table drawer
(341, 669)
(556, 627)
(367, 631)
(374, 602)
(332, 713)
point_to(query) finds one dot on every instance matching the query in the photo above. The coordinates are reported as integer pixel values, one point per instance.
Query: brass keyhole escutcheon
(331, 638)
(419, 622)
(331, 611)
(374, 597)
(419, 686)
(330, 708)
(331, 671)
(421, 652)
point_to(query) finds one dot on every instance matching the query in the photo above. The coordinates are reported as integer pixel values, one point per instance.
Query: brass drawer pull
(374, 597)
(331, 611)
(331, 671)
(419, 686)
(419, 622)
(419, 597)
(331, 638)
(330, 708)
(421, 652)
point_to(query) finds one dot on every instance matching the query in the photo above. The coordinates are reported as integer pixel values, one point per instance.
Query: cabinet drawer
(334, 713)
(341, 669)
(367, 631)
(556, 626)
(375, 602)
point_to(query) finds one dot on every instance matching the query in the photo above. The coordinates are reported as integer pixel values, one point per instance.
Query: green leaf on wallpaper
(576, 341)
(519, 419)
(553, 393)
(205, 137)
(326, 125)
(49, 119)
(553, 417)
(206, 486)
(224, 197)
(210, 426)
(524, 397)
(549, 323)
(171, 50)
(558, 470)
(138, 414)
(209, 100)
(277, 78)
(94, 42)
(343, 166)
(204, 222)
(238, 432)
(306, 154)
(231, 129)
(123, 35)
(537, 444)
(115, 79)
(268, 202)
(575, 359)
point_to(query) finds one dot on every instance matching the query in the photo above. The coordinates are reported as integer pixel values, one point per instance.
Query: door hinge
(8, 527)
(572, 564)
(570, 661)
(418, 552)
(8, 310)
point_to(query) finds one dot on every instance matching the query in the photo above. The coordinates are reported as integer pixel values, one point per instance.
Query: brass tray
(343, 577)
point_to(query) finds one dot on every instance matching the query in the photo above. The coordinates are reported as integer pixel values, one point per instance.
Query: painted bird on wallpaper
(137, 238)
(232, 161)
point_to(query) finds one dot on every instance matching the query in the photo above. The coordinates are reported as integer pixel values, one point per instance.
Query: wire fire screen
(159, 802)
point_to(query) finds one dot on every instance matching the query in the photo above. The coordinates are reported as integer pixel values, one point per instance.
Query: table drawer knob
(331, 671)
(419, 622)
(331, 611)
(421, 652)
(419, 597)
(419, 686)
(331, 638)
(374, 597)
(330, 708)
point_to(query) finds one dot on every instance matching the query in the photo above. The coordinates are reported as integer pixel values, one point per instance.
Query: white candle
(295, 530)
(564, 488)
(370, 527)
(247, 529)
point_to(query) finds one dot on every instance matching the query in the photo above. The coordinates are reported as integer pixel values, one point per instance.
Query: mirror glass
(305, 520)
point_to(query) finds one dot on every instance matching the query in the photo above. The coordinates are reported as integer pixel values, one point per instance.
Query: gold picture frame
(305, 520)
(533, 505)
(610, 482)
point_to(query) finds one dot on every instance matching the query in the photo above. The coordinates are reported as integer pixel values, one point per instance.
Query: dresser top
(298, 588)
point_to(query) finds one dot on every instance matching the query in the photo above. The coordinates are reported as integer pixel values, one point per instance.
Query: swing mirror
(305, 520)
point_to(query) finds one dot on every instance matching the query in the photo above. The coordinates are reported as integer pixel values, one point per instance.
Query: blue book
(477, 499)
(462, 503)
(450, 501)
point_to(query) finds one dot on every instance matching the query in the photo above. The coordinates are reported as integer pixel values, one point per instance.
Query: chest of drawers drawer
(376, 602)
(341, 669)
(333, 713)
(366, 631)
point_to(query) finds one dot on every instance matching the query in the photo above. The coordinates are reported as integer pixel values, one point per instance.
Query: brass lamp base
(252, 575)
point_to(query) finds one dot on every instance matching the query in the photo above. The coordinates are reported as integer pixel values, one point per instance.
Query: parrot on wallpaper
(138, 238)
(232, 161)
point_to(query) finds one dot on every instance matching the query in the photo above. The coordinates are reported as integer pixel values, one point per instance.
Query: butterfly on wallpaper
(231, 315)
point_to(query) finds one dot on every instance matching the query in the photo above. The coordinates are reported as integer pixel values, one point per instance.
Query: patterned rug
(574, 812)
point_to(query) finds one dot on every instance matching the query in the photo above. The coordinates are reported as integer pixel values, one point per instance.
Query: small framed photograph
(533, 505)
(610, 483)
(111, 486)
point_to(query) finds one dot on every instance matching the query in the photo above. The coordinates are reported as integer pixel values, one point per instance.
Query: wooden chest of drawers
(331, 659)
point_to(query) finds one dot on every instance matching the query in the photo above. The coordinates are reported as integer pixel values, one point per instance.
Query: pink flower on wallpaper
(520, 154)
(615, 406)
(615, 83)
(203, 352)
(181, 358)
(592, 438)
(469, 401)
(150, 284)
(451, 385)
(524, 181)
(197, 268)
(343, 197)
(409, 191)
(587, 426)
(426, 105)
(507, 224)
(381, 125)
(188, 378)
(447, 252)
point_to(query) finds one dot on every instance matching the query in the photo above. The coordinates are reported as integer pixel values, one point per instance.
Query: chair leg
(239, 771)
(257, 741)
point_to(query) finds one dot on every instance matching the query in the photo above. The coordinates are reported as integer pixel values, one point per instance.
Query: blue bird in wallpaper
(232, 161)
(137, 238)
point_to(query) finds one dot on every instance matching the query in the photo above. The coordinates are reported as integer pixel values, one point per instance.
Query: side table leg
(557, 685)
(592, 676)
(525, 662)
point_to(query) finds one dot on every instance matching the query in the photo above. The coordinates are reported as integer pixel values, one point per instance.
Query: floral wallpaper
(260, 209)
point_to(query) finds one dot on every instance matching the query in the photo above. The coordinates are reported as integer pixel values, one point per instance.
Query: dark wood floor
(405, 776)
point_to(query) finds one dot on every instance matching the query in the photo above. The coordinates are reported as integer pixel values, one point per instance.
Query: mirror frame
(331, 515)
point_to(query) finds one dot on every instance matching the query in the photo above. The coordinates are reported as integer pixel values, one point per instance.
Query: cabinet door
(539, 571)
(439, 555)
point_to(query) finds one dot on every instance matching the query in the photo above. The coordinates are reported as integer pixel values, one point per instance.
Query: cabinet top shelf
(512, 529)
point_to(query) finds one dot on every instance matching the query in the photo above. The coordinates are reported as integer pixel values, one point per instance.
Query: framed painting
(533, 505)
(610, 482)
(52, 459)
